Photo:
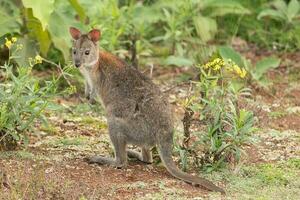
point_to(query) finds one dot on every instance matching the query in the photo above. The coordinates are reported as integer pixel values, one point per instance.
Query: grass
(69, 141)
(94, 122)
(49, 129)
(277, 114)
(23, 154)
(35, 184)
(262, 181)
(266, 181)
(278, 180)
(84, 109)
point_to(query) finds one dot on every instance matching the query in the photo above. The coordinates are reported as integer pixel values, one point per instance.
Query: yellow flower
(216, 64)
(217, 67)
(8, 43)
(240, 72)
(38, 59)
(206, 66)
(243, 73)
(14, 39)
(236, 68)
(217, 60)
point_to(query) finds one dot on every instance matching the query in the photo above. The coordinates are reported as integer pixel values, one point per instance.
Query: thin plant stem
(60, 70)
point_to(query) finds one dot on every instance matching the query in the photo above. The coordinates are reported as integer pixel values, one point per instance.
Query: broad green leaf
(293, 9)
(59, 34)
(229, 53)
(226, 10)
(280, 5)
(264, 65)
(223, 7)
(94, 8)
(42, 9)
(36, 31)
(271, 13)
(178, 61)
(79, 9)
(8, 24)
(206, 27)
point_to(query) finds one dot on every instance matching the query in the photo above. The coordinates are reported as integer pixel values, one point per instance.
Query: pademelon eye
(87, 52)
(74, 51)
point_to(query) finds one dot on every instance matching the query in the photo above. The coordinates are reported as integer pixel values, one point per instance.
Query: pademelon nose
(77, 64)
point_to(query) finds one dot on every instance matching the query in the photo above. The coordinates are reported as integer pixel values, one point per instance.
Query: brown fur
(137, 112)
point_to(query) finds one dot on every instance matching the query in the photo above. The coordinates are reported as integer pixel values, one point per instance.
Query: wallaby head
(85, 52)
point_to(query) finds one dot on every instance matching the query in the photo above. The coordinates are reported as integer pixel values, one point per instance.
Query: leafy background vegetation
(180, 33)
(224, 54)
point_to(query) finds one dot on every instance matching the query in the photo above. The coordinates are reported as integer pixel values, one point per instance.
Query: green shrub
(23, 99)
(225, 125)
(180, 27)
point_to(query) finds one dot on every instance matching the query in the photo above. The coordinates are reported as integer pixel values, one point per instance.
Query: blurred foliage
(273, 24)
(182, 33)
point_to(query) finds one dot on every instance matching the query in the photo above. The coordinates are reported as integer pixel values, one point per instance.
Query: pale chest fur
(87, 76)
(91, 81)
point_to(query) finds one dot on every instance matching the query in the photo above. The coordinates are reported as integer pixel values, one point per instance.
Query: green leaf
(41, 9)
(79, 9)
(280, 5)
(206, 27)
(8, 24)
(59, 33)
(144, 14)
(229, 53)
(293, 9)
(224, 7)
(224, 11)
(277, 15)
(178, 61)
(264, 65)
(36, 31)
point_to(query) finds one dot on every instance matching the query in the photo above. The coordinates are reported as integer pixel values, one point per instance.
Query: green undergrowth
(22, 154)
(266, 181)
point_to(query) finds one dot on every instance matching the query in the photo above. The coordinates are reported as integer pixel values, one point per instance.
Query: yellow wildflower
(8, 43)
(236, 68)
(240, 72)
(216, 64)
(207, 65)
(14, 39)
(217, 60)
(243, 73)
(217, 67)
(38, 59)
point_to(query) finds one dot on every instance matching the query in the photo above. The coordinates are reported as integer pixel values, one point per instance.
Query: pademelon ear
(94, 35)
(75, 33)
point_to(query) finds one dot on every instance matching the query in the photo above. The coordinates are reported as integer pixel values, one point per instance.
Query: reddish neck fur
(107, 59)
